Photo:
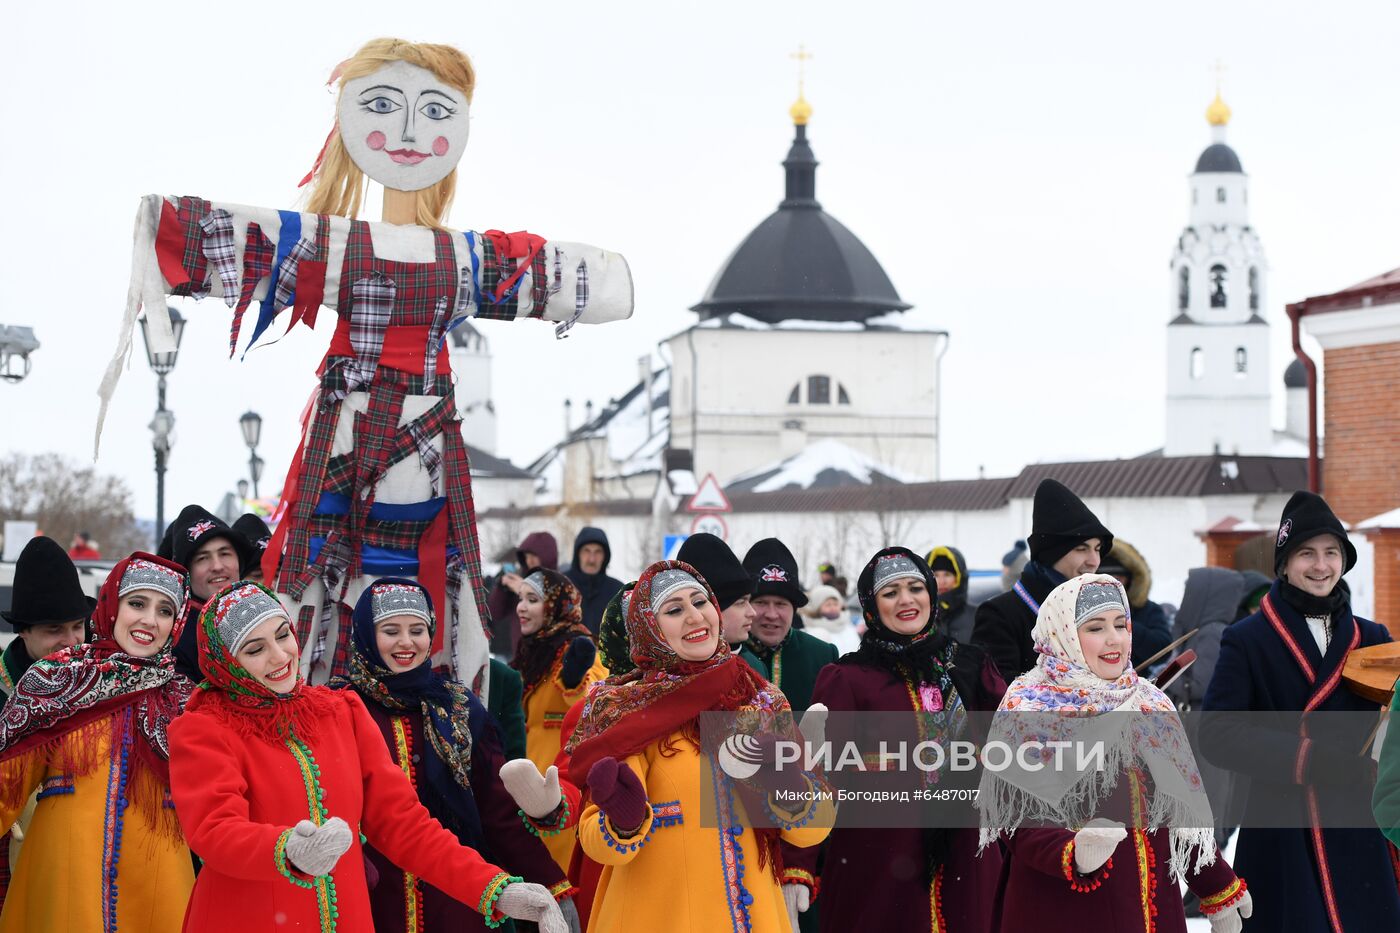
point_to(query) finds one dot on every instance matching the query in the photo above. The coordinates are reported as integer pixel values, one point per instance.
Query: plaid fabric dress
(384, 485)
(381, 483)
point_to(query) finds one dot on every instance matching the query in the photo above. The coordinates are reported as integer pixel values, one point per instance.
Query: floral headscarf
(665, 694)
(627, 712)
(72, 688)
(1062, 699)
(244, 702)
(537, 654)
(447, 706)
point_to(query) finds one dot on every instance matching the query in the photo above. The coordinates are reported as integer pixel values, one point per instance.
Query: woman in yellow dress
(670, 863)
(557, 658)
(87, 728)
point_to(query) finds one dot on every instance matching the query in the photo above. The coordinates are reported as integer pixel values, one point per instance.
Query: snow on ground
(803, 468)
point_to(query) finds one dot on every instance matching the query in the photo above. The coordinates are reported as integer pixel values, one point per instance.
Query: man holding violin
(1289, 657)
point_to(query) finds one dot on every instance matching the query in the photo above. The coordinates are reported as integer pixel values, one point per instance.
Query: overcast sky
(1019, 169)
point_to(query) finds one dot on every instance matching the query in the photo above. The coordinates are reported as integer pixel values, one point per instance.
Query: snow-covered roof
(824, 463)
(892, 320)
(1288, 445)
(1389, 519)
(634, 443)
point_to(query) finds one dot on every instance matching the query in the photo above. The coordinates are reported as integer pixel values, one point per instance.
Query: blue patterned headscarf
(449, 710)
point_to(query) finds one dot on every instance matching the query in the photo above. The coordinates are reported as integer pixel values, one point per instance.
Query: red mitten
(618, 793)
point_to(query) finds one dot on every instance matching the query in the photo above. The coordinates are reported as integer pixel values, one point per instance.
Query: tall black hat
(46, 588)
(718, 565)
(1060, 522)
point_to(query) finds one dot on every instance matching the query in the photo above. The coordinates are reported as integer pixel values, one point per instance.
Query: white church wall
(745, 378)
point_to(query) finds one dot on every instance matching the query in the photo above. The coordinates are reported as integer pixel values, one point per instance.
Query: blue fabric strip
(286, 238)
(382, 561)
(476, 286)
(333, 503)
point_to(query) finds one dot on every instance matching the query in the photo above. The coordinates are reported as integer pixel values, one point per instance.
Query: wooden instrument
(1165, 651)
(1371, 672)
(1175, 668)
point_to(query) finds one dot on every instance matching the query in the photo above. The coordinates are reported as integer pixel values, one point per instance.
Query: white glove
(570, 912)
(1095, 843)
(813, 727)
(315, 849)
(798, 898)
(1231, 919)
(520, 900)
(537, 794)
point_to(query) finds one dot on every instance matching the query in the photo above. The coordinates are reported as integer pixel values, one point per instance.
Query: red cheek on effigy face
(440, 146)
(375, 140)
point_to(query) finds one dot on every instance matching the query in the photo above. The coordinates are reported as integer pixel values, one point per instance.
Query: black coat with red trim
(1270, 663)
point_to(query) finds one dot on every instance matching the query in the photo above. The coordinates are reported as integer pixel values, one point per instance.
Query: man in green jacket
(790, 657)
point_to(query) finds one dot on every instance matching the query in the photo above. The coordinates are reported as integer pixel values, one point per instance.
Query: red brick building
(1359, 331)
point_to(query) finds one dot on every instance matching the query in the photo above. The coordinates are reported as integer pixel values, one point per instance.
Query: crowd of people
(164, 764)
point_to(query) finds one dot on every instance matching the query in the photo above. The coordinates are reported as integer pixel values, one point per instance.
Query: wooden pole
(400, 207)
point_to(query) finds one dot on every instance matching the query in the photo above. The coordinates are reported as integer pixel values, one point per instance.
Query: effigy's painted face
(403, 126)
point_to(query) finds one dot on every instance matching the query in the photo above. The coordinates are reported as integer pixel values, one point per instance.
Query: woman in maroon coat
(441, 736)
(1141, 821)
(906, 878)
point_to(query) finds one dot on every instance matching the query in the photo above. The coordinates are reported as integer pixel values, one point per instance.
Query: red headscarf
(664, 694)
(238, 698)
(77, 686)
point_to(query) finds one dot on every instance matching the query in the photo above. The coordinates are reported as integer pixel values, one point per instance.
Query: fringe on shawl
(1005, 807)
(306, 715)
(82, 751)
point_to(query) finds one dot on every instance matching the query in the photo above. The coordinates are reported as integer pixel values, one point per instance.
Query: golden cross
(802, 56)
(1219, 74)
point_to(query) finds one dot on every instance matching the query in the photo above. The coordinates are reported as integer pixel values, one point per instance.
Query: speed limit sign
(710, 524)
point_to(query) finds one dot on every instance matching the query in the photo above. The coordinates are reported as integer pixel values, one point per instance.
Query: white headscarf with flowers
(1062, 700)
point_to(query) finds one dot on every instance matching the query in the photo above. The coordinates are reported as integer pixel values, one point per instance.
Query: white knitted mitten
(537, 794)
(1095, 843)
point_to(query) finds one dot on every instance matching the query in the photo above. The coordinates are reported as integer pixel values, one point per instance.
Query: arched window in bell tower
(1198, 363)
(1241, 361)
(1254, 288)
(1219, 277)
(1183, 287)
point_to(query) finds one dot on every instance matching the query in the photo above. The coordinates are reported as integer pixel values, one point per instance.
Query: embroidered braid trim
(487, 905)
(1225, 899)
(412, 893)
(546, 827)
(279, 858)
(1077, 882)
(323, 885)
(803, 877)
(563, 889)
(940, 923)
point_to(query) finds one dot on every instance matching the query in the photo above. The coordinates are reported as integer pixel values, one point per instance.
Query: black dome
(801, 262)
(1219, 157)
(1296, 375)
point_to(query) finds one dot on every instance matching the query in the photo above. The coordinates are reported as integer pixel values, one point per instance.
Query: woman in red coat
(277, 784)
(1102, 848)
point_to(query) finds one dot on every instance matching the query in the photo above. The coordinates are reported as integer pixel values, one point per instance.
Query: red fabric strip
(403, 348)
(432, 572)
(170, 247)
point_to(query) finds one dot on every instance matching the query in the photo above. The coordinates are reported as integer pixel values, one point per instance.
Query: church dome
(801, 263)
(1219, 157)
(1296, 375)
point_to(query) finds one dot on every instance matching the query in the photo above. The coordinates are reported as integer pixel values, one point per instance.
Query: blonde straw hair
(340, 185)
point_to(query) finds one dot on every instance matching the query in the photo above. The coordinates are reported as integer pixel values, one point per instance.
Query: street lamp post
(163, 424)
(251, 423)
(16, 343)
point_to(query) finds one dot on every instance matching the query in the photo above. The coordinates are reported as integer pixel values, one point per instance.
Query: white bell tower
(1218, 339)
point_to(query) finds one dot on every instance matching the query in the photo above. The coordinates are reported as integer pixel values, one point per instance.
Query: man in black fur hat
(1067, 540)
(48, 609)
